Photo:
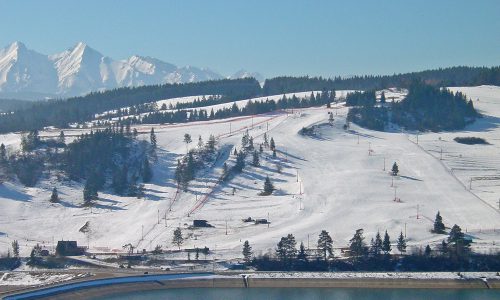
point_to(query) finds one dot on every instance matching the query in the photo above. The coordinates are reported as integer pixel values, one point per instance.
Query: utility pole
(418, 207)
(405, 230)
(369, 148)
(297, 175)
(158, 216)
(392, 181)
(268, 220)
(307, 241)
(384, 163)
(226, 226)
(470, 184)
(417, 138)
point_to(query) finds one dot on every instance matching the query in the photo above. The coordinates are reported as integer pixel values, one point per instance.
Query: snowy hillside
(334, 179)
(79, 70)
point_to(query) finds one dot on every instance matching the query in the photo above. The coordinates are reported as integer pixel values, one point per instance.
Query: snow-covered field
(32, 279)
(328, 181)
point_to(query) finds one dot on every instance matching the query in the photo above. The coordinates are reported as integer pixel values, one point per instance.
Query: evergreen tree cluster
(429, 108)
(108, 153)
(357, 98)
(194, 160)
(251, 108)
(425, 108)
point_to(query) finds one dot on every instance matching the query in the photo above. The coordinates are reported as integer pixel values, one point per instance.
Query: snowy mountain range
(27, 74)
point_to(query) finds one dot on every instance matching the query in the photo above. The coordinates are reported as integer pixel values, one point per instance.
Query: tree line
(381, 254)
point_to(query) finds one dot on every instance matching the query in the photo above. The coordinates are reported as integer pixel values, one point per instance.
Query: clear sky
(274, 37)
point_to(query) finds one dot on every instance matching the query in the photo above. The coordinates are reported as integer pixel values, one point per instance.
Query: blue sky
(274, 37)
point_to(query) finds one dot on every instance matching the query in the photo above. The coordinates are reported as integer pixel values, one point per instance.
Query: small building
(201, 223)
(261, 221)
(69, 248)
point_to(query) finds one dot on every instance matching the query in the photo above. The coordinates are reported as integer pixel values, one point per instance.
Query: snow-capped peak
(81, 69)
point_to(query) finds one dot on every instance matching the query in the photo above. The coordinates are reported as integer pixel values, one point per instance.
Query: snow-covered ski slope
(329, 180)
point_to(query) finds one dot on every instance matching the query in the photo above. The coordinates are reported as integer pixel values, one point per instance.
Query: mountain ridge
(81, 69)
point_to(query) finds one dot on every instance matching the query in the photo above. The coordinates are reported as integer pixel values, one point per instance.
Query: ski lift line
(205, 198)
(454, 176)
(171, 203)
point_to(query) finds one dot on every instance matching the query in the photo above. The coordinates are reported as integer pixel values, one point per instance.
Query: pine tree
(3, 153)
(15, 248)
(273, 145)
(325, 244)
(89, 192)
(240, 161)
(268, 187)
(211, 143)
(357, 245)
(427, 251)
(178, 239)
(255, 160)
(266, 141)
(54, 198)
(261, 149)
(286, 249)
(438, 224)
(382, 97)
(61, 139)
(250, 143)
(443, 247)
(386, 244)
(395, 169)
(152, 138)
(187, 140)
(200, 142)
(456, 242)
(146, 171)
(376, 245)
(401, 243)
(302, 252)
(274, 153)
(247, 252)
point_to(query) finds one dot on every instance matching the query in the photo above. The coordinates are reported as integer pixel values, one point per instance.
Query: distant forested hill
(454, 76)
(61, 113)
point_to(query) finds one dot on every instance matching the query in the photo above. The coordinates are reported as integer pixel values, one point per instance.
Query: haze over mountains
(27, 74)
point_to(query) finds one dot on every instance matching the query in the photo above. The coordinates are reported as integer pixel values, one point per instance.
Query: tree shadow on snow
(12, 194)
(411, 178)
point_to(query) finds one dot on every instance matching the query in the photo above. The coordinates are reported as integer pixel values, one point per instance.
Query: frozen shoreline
(425, 280)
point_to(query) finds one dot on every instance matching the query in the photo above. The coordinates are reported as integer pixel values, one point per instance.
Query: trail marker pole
(158, 216)
(418, 207)
(384, 163)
